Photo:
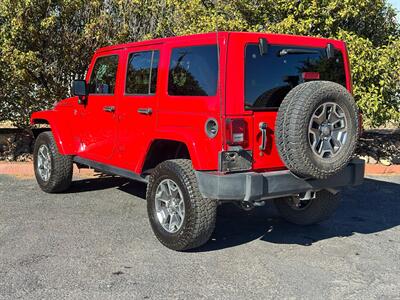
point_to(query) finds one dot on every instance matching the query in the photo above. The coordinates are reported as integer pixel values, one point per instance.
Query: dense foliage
(44, 44)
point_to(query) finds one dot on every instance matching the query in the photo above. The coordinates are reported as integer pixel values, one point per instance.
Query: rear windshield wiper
(288, 51)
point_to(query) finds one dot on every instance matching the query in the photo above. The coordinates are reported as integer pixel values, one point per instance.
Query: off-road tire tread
(202, 217)
(293, 116)
(61, 169)
(280, 122)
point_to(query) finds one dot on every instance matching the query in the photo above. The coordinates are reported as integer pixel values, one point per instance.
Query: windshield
(270, 77)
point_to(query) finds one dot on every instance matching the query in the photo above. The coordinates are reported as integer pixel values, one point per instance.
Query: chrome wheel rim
(44, 162)
(327, 130)
(170, 207)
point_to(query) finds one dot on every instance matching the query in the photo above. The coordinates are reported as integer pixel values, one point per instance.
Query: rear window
(193, 71)
(270, 77)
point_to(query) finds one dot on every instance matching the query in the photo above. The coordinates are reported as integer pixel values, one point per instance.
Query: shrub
(44, 45)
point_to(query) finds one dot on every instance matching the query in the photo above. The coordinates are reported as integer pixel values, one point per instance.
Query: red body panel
(98, 128)
(267, 159)
(122, 138)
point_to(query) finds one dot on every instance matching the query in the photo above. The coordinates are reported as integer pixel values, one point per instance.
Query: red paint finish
(267, 159)
(135, 131)
(122, 138)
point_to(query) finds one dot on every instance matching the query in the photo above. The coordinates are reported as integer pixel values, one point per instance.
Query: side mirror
(80, 89)
(263, 45)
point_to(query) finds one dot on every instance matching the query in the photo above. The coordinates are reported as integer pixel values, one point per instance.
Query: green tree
(376, 77)
(45, 44)
(369, 27)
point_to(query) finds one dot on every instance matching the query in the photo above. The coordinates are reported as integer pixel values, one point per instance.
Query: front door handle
(145, 111)
(110, 109)
(263, 127)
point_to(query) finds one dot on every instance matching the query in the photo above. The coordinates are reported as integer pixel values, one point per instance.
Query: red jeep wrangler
(210, 118)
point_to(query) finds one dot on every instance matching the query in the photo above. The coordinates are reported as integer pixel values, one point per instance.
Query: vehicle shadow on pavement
(366, 209)
(103, 182)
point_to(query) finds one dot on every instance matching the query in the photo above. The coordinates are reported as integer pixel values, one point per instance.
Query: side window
(141, 77)
(103, 77)
(193, 71)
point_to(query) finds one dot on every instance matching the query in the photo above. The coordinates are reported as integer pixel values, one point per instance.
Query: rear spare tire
(317, 129)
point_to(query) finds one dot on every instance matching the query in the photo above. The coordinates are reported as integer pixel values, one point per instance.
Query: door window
(193, 71)
(141, 76)
(103, 77)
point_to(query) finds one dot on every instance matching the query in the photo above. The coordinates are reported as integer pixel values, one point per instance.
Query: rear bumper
(252, 186)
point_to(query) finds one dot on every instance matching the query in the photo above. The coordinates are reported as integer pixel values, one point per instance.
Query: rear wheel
(180, 217)
(307, 212)
(53, 171)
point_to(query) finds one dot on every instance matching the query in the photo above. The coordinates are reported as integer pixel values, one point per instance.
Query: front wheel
(307, 212)
(53, 171)
(180, 217)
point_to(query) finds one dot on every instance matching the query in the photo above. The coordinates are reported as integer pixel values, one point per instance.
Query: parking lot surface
(95, 242)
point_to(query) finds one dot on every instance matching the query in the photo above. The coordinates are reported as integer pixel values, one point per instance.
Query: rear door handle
(145, 111)
(263, 127)
(109, 109)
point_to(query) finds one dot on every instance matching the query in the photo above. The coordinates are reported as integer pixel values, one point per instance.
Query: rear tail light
(237, 132)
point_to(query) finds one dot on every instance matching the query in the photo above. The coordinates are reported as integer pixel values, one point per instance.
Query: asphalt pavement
(95, 242)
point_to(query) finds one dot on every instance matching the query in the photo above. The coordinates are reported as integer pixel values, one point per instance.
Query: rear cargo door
(262, 94)
(269, 77)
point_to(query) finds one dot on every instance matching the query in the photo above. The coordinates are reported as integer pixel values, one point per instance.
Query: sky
(396, 4)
